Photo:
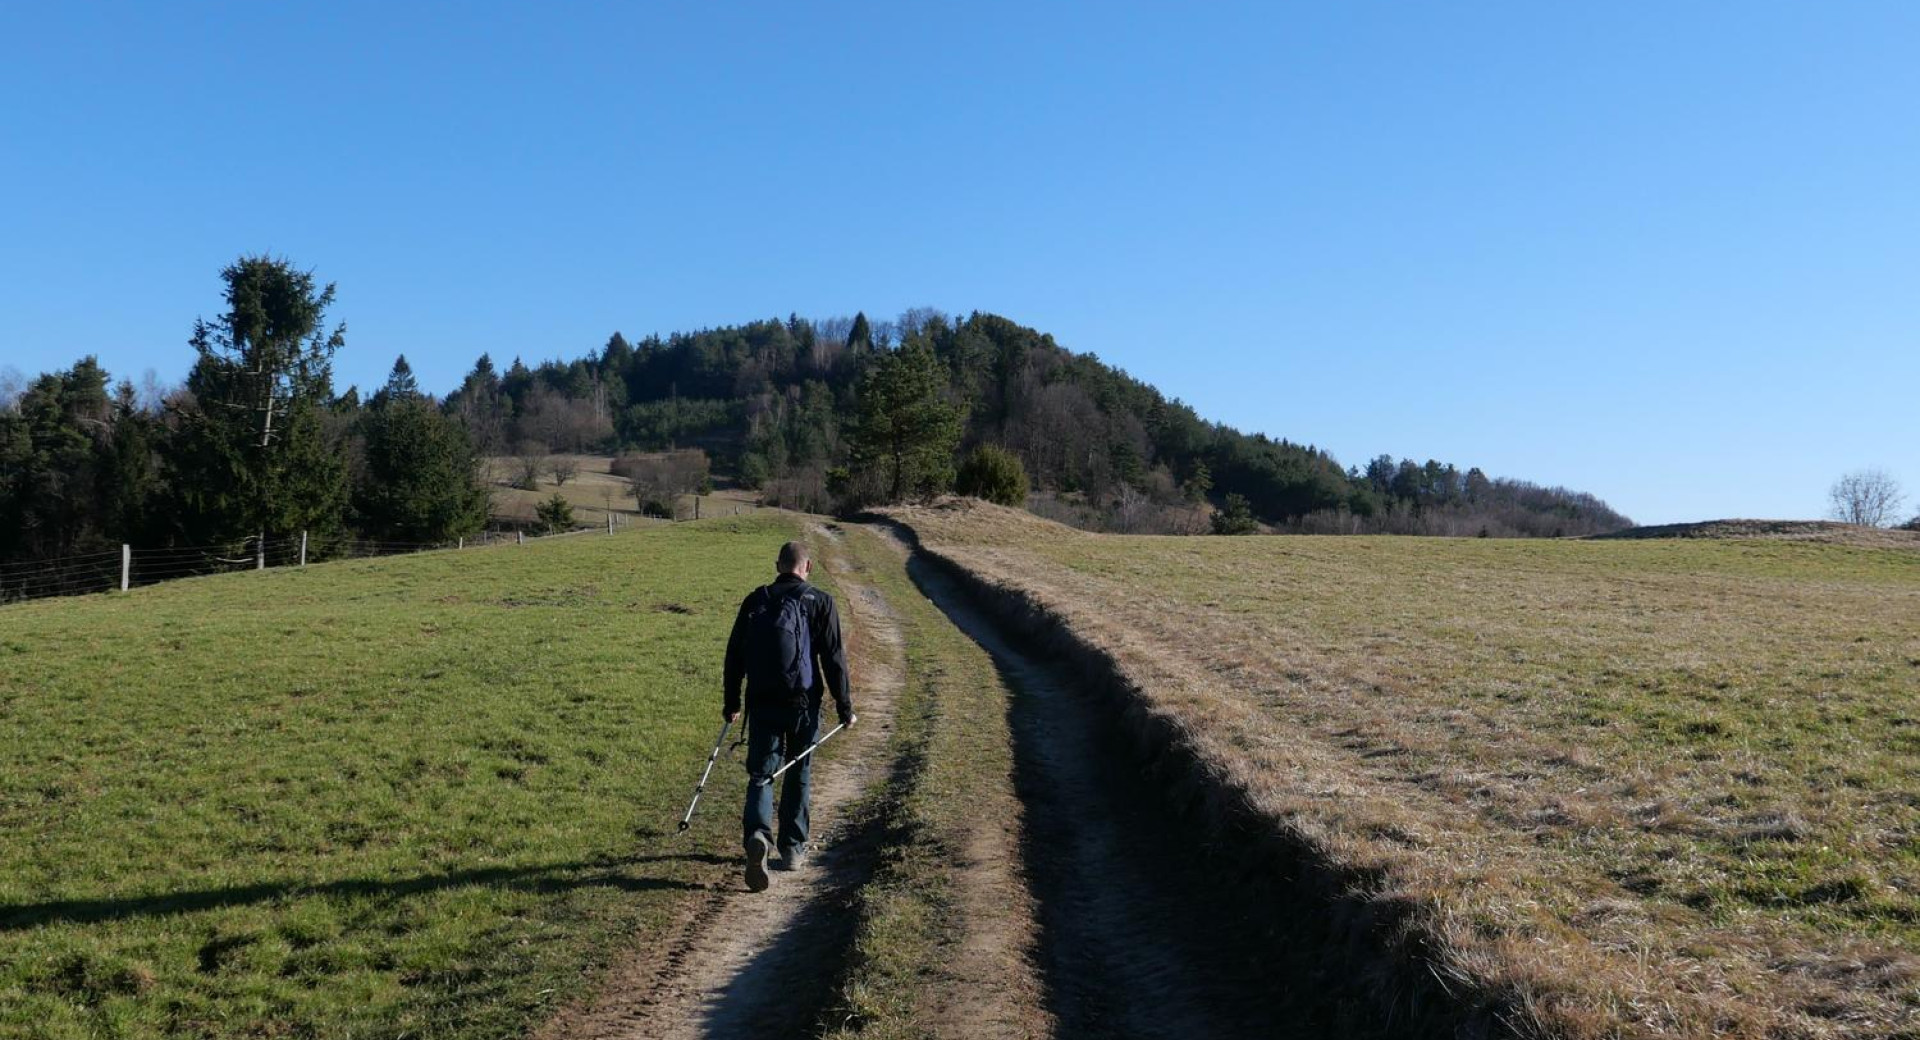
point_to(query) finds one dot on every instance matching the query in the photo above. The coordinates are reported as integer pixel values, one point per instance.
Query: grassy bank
(1629, 788)
(413, 796)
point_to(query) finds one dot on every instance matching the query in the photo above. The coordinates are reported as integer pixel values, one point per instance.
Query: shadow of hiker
(608, 872)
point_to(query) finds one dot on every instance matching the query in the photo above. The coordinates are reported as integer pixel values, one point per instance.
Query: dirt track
(761, 963)
(1142, 931)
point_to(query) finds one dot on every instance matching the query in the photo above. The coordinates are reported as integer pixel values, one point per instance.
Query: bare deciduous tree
(152, 395)
(529, 461)
(1869, 497)
(1131, 510)
(563, 468)
(12, 385)
(565, 423)
(656, 481)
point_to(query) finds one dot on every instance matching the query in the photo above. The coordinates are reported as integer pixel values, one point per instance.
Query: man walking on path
(780, 632)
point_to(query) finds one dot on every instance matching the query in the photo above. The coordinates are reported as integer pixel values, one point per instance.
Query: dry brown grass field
(1609, 788)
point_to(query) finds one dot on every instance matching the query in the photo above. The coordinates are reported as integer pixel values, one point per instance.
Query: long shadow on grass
(544, 878)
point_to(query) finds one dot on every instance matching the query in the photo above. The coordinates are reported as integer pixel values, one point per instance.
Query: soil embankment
(1148, 929)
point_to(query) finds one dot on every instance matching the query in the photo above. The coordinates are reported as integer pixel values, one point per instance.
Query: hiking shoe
(792, 858)
(757, 879)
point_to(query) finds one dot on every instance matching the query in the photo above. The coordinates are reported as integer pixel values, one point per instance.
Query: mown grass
(420, 796)
(1655, 786)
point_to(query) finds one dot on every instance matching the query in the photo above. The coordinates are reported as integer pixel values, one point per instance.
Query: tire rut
(763, 963)
(1141, 933)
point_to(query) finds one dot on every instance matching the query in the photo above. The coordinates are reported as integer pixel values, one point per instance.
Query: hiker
(779, 633)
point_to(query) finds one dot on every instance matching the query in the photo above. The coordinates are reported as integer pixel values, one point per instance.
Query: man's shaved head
(793, 556)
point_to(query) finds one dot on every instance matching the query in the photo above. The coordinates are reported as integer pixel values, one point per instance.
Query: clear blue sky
(1667, 253)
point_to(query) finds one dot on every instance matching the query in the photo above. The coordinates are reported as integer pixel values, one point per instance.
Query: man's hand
(850, 718)
(730, 716)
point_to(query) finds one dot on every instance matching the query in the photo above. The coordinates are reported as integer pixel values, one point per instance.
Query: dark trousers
(774, 736)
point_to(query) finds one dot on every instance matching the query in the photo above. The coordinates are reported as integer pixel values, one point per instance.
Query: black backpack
(780, 642)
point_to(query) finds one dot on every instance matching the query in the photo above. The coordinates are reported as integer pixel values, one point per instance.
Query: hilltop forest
(817, 414)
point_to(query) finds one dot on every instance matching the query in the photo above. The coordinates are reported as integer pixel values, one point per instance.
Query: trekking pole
(686, 821)
(811, 748)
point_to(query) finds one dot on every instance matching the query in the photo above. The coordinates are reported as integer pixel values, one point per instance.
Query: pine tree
(1198, 483)
(860, 338)
(907, 431)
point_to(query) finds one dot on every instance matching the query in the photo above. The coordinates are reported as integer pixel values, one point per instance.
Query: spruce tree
(556, 513)
(420, 482)
(250, 459)
(54, 445)
(400, 381)
(1236, 517)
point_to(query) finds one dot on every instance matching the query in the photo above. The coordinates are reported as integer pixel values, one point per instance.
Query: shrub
(995, 474)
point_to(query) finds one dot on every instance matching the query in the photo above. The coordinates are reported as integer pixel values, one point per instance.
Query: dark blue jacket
(824, 629)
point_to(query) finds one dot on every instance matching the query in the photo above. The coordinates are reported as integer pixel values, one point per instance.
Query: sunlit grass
(413, 796)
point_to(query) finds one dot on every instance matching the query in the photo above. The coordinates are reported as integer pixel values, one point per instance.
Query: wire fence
(129, 567)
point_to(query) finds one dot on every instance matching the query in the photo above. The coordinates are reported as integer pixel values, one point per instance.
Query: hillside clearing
(1618, 788)
(595, 491)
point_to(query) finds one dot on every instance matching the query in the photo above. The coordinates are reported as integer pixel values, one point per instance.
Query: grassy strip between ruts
(909, 976)
(421, 796)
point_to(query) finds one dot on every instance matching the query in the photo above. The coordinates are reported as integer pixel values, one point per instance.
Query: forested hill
(774, 402)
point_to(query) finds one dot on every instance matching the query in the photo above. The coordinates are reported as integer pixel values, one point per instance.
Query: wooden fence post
(303, 548)
(609, 521)
(126, 565)
(519, 537)
(463, 542)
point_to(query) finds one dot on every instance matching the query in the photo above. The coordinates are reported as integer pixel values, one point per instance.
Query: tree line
(823, 415)
(255, 446)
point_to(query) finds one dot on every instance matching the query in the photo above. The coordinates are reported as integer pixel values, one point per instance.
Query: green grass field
(1619, 775)
(420, 796)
